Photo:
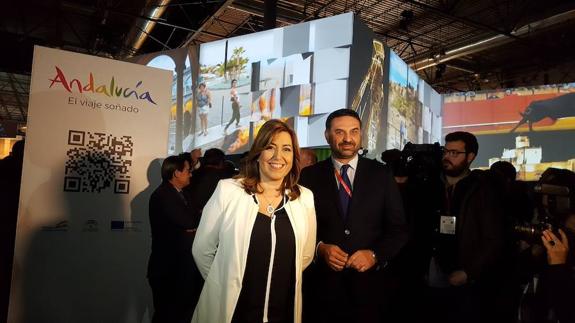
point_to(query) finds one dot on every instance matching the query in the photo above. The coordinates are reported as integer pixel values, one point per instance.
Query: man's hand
(361, 260)
(333, 256)
(457, 278)
(556, 248)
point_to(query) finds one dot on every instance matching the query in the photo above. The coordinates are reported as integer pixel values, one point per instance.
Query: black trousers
(175, 298)
(347, 296)
(470, 303)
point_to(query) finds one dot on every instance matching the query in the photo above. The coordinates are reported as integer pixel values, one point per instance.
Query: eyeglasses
(452, 153)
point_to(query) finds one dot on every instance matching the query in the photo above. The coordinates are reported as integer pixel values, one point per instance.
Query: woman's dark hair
(249, 169)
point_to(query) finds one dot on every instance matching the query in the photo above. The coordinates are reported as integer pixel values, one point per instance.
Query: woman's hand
(556, 248)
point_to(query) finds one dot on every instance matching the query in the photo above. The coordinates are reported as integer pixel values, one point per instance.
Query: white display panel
(331, 64)
(331, 32)
(96, 130)
(330, 96)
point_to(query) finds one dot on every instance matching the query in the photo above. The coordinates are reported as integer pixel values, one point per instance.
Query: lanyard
(342, 182)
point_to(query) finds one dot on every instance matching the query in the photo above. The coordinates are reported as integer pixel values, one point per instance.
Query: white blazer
(221, 247)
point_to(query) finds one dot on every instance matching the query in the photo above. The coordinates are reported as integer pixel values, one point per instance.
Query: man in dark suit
(172, 273)
(206, 178)
(361, 226)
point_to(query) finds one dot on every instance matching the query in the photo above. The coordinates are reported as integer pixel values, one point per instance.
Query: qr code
(98, 161)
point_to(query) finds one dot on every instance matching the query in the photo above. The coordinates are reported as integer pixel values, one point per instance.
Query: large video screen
(299, 73)
(294, 73)
(414, 108)
(531, 127)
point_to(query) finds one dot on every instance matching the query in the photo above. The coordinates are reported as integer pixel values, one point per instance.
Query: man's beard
(456, 170)
(340, 153)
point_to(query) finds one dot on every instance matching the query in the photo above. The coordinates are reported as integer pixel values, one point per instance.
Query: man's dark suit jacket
(203, 184)
(170, 217)
(480, 231)
(375, 221)
(172, 273)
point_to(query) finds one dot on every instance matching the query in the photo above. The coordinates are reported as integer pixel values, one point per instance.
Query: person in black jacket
(206, 178)
(172, 273)
(360, 227)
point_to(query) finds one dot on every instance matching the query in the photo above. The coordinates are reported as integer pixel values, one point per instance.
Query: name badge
(447, 225)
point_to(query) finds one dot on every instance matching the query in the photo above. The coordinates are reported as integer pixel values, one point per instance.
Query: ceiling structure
(455, 45)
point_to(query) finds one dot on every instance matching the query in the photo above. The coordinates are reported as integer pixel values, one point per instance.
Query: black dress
(252, 300)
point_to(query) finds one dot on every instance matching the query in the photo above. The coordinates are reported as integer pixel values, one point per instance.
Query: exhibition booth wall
(300, 74)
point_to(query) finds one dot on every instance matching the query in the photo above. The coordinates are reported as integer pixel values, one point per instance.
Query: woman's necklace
(270, 208)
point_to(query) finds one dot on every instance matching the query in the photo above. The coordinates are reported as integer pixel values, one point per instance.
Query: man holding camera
(466, 237)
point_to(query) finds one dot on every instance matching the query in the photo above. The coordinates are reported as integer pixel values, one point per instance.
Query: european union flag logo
(117, 225)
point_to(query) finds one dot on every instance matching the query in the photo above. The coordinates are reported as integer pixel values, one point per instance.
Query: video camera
(555, 198)
(420, 162)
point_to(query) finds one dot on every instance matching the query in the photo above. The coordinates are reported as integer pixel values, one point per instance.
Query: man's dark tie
(343, 196)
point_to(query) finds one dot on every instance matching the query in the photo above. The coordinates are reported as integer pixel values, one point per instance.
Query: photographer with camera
(549, 294)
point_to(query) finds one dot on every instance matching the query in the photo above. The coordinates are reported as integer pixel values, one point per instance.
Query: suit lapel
(180, 197)
(328, 177)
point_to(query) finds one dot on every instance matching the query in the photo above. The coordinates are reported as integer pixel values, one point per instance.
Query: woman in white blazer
(256, 236)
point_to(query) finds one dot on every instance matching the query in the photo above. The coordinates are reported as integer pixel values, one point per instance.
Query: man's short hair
(214, 157)
(170, 165)
(18, 148)
(341, 113)
(505, 169)
(471, 145)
